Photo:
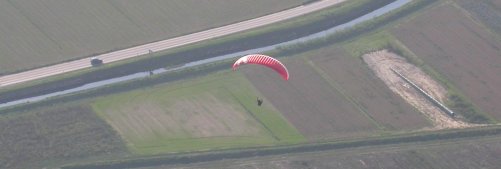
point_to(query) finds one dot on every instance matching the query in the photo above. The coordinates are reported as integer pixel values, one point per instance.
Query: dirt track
(381, 62)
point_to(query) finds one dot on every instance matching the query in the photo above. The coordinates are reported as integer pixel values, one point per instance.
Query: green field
(213, 112)
(37, 33)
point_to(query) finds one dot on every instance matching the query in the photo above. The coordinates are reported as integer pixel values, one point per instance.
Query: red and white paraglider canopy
(265, 61)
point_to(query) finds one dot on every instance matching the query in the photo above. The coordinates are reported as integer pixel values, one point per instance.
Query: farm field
(51, 136)
(213, 112)
(475, 153)
(370, 93)
(466, 55)
(316, 109)
(37, 33)
(321, 100)
(488, 12)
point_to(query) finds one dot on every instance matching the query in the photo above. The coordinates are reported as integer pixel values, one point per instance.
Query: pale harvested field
(461, 50)
(369, 92)
(213, 112)
(381, 62)
(316, 109)
(181, 117)
(197, 116)
(36, 33)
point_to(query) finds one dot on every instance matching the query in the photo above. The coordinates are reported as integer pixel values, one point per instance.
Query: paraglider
(265, 61)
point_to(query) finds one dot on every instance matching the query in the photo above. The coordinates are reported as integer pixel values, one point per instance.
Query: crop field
(461, 50)
(37, 33)
(217, 111)
(52, 135)
(310, 103)
(369, 93)
(333, 94)
(488, 12)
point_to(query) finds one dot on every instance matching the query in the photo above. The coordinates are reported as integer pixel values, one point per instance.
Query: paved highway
(165, 44)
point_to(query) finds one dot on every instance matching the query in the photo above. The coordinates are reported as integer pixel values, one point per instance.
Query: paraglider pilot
(259, 101)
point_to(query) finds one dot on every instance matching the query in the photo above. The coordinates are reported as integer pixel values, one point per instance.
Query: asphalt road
(165, 44)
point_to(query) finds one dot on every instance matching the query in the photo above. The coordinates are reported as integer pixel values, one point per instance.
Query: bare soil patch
(370, 93)
(381, 62)
(461, 50)
(316, 109)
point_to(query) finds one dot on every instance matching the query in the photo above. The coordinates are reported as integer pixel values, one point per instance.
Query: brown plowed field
(461, 50)
(353, 76)
(316, 109)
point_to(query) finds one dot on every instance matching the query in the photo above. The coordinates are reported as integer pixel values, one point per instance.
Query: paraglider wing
(265, 61)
